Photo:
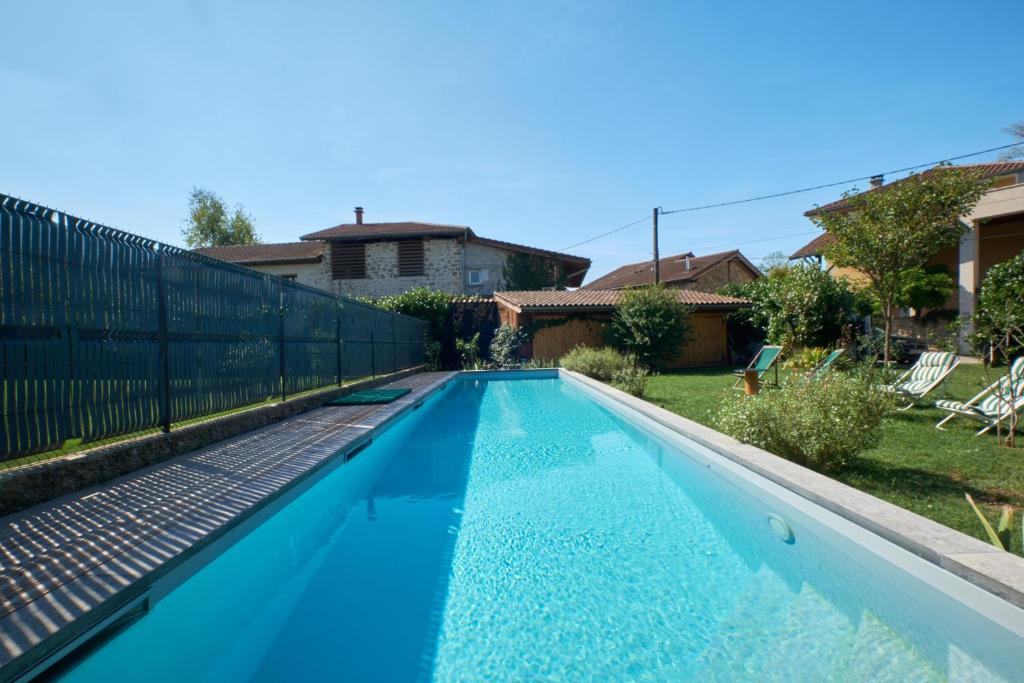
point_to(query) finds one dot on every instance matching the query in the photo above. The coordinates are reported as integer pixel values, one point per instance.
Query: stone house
(683, 271)
(380, 259)
(995, 234)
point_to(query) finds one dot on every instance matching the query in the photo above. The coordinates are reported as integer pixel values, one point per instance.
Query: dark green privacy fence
(104, 333)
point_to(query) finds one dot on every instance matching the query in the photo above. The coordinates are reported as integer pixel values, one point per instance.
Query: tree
(887, 233)
(529, 271)
(927, 287)
(209, 225)
(651, 323)
(797, 306)
(1017, 131)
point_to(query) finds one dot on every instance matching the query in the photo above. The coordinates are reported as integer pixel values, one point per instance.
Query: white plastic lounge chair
(930, 370)
(994, 404)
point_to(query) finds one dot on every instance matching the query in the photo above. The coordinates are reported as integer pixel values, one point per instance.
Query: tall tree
(210, 225)
(528, 271)
(889, 234)
(1017, 131)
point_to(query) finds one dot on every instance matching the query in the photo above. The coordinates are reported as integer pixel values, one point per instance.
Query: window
(410, 258)
(476, 277)
(348, 261)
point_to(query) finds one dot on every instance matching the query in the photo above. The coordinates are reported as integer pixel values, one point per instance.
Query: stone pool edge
(998, 572)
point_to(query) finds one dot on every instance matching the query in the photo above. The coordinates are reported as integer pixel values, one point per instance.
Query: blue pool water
(520, 530)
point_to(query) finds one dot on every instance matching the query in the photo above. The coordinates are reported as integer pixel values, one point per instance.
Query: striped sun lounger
(997, 402)
(930, 370)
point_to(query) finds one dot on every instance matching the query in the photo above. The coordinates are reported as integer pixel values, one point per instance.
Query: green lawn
(915, 465)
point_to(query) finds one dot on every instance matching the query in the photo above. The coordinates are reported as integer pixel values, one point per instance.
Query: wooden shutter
(348, 260)
(410, 258)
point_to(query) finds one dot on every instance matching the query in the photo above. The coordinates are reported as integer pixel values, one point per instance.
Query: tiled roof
(672, 269)
(355, 231)
(991, 170)
(285, 252)
(602, 298)
(814, 247)
(577, 265)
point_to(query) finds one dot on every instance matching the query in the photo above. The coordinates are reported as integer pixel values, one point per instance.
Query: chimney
(359, 215)
(687, 262)
(877, 181)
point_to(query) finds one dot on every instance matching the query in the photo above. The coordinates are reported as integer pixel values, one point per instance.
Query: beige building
(996, 233)
(683, 271)
(381, 259)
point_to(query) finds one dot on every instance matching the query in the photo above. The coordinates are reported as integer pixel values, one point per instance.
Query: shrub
(798, 306)
(505, 345)
(1000, 315)
(818, 423)
(806, 358)
(650, 323)
(421, 302)
(602, 364)
(631, 379)
(469, 351)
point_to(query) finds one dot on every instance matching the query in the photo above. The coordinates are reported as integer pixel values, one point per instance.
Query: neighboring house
(683, 271)
(380, 259)
(564, 320)
(996, 233)
(299, 261)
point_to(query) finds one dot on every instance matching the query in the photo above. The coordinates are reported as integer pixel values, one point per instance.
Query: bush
(469, 351)
(798, 306)
(819, 423)
(505, 345)
(650, 323)
(602, 364)
(632, 379)
(421, 302)
(1000, 315)
(805, 358)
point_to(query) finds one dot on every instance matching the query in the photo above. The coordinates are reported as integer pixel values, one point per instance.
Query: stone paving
(67, 565)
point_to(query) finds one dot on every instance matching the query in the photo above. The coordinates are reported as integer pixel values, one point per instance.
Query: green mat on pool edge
(368, 397)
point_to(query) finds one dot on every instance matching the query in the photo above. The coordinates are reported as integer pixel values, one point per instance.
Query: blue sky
(536, 122)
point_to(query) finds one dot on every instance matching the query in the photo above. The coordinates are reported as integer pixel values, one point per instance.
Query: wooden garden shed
(560, 321)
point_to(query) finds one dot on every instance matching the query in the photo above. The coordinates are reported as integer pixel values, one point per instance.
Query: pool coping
(54, 598)
(996, 571)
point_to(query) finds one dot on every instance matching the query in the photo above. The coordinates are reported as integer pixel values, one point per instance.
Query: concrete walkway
(68, 565)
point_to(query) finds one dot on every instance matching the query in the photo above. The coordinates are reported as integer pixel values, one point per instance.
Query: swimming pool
(521, 529)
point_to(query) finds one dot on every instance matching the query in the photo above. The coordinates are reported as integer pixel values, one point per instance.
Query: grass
(915, 465)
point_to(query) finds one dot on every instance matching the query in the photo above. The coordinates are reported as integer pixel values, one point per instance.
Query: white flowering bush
(819, 423)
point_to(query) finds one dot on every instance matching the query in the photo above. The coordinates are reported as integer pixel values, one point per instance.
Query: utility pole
(654, 226)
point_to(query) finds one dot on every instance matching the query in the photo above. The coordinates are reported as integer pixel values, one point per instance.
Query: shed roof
(597, 299)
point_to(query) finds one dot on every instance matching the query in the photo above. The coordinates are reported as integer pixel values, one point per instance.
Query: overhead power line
(790, 192)
(605, 234)
(841, 182)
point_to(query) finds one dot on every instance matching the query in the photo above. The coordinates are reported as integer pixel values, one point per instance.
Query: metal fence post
(394, 345)
(373, 356)
(164, 382)
(337, 342)
(280, 327)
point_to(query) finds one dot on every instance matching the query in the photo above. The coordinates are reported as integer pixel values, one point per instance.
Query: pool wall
(997, 572)
(979, 563)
